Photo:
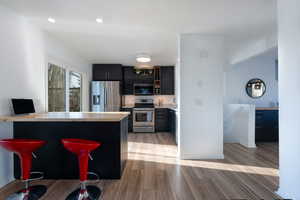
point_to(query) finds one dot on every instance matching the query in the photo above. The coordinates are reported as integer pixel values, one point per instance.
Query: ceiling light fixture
(99, 20)
(143, 66)
(143, 58)
(51, 20)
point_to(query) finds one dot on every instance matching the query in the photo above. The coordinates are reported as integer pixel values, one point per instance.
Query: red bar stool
(83, 148)
(24, 148)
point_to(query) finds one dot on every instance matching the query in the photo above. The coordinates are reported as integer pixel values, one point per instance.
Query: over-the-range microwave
(143, 89)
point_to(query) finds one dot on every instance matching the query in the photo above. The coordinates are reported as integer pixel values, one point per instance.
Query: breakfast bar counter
(67, 117)
(108, 128)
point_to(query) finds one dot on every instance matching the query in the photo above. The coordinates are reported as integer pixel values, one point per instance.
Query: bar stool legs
(85, 193)
(83, 148)
(29, 193)
(24, 148)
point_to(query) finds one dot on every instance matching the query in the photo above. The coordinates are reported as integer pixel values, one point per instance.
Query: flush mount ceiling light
(143, 66)
(143, 58)
(51, 20)
(99, 20)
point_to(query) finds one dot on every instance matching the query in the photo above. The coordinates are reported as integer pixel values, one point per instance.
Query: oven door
(143, 117)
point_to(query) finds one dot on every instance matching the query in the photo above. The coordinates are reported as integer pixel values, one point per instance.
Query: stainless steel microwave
(143, 89)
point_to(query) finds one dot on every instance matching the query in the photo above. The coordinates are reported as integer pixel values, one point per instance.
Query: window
(75, 92)
(63, 95)
(56, 88)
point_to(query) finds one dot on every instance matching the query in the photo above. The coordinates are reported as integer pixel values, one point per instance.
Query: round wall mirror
(255, 88)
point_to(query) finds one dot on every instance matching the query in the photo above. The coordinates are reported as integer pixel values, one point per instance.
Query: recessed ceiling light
(143, 58)
(99, 20)
(51, 20)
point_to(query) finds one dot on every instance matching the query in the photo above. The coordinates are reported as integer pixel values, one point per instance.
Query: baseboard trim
(281, 193)
(285, 195)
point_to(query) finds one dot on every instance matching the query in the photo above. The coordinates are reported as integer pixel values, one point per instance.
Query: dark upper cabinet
(167, 80)
(145, 76)
(129, 77)
(107, 72)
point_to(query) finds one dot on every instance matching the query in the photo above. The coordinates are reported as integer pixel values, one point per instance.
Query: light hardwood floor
(154, 172)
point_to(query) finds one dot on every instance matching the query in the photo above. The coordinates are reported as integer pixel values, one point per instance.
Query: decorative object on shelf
(157, 80)
(256, 88)
(144, 72)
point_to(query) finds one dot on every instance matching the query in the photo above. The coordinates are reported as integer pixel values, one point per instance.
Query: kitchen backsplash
(158, 100)
(164, 100)
(128, 100)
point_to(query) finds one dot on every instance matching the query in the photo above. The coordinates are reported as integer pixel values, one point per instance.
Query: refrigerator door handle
(103, 98)
(106, 97)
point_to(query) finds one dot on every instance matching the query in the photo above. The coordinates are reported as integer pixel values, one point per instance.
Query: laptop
(23, 106)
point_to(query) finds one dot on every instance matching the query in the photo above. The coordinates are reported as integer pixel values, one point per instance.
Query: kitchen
(148, 93)
(148, 107)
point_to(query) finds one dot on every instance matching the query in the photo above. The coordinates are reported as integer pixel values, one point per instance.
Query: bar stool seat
(24, 148)
(83, 148)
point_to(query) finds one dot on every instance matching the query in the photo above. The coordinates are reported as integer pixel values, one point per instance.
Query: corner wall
(263, 67)
(25, 53)
(289, 98)
(201, 96)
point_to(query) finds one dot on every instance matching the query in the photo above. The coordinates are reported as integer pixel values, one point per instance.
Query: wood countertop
(68, 117)
(267, 108)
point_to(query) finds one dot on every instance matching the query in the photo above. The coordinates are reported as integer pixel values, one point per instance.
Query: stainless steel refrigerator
(105, 96)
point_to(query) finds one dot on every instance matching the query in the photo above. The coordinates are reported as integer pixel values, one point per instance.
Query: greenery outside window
(56, 88)
(75, 91)
(63, 95)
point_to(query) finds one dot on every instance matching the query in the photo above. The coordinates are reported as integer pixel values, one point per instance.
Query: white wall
(239, 124)
(238, 51)
(289, 98)
(201, 96)
(262, 67)
(25, 52)
(57, 53)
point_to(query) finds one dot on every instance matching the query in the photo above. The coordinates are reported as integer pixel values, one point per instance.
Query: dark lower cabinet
(162, 120)
(266, 126)
(165, 120)
(130, 118)
(172, 122)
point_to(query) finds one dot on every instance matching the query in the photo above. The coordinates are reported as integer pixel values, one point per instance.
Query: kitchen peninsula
(109, 128)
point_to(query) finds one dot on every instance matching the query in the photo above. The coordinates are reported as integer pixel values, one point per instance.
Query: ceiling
(144, 26)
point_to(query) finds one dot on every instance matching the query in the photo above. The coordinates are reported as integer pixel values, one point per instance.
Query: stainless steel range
(143, 115)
